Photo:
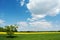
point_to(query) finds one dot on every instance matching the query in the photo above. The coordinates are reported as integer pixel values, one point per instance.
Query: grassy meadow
(32, 36)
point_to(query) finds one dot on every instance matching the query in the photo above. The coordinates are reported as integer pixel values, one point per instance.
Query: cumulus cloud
(2, 21)
(39, 10)
(36, 17)
(23, 26)
(44, 7)
(22, 2)
(41, 25)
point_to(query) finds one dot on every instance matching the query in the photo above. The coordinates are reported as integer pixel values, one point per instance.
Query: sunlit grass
(51, 36)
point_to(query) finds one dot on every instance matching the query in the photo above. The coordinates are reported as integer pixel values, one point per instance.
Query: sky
(31, 15)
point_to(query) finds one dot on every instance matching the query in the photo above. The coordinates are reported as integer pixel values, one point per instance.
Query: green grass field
(55, 36)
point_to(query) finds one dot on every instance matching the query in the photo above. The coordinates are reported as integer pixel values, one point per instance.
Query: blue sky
(32, 15)
(12, 11)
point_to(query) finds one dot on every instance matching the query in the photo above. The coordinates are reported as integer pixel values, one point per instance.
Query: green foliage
(10, 30)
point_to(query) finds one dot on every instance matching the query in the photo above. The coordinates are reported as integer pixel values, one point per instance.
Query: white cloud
(36, 17)
(41, 25)
(42, 8)
(2, 21)
(39, 10)
(23, 26)
(54, 12)
(22, 2)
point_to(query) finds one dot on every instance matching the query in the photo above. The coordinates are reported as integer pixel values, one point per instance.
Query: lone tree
(10, 30)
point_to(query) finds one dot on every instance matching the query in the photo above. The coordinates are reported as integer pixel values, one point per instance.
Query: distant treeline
(39, 31)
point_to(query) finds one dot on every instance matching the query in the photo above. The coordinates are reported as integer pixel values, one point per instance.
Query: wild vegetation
(9, 30)
(28, 35)
(33, 37)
